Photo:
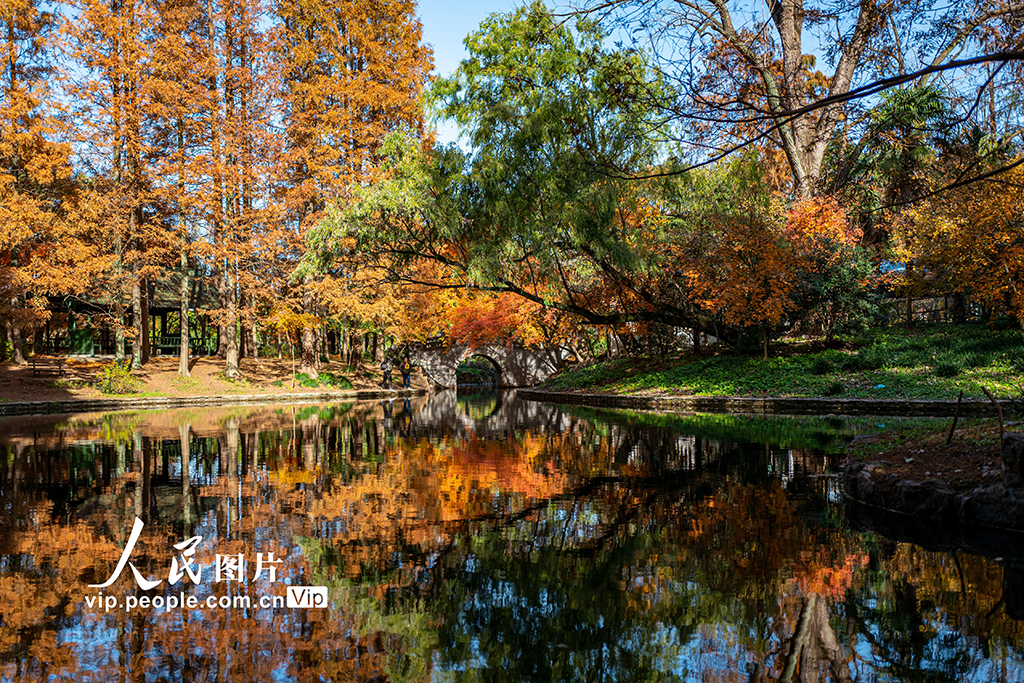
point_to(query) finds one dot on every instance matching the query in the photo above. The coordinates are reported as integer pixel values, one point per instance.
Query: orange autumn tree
(238, 117)
(836, 274)
(350, 73)
(42, 250)
(750, 276)
(178, 98)
(112, 94)
(972, 241)
(752, 264)
(735, 261)
(489, 319)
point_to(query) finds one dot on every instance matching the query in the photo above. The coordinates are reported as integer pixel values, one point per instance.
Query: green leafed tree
(539, 208)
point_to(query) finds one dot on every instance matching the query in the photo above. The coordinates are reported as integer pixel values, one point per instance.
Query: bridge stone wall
(520, 366)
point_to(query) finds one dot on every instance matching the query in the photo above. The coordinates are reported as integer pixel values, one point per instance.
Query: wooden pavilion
(80, 325)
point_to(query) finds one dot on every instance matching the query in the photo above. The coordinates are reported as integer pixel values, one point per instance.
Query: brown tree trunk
(17, 352)
(231, 331)
(221, 279)
(183, 349)
(146, 326)
(958, 308)
(308, 362)
(243, 336)
(139, 331)
(352, 343)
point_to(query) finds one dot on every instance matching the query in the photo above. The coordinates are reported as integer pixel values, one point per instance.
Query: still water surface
(476, 538)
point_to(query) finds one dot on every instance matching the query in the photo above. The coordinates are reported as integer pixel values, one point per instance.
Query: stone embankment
(999, 505)
(93, 405)
(769, 406)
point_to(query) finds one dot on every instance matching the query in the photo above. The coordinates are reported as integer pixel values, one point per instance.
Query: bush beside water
(116, 379)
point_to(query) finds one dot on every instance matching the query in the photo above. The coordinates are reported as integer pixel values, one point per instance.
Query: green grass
(326, 379)
(930, 362)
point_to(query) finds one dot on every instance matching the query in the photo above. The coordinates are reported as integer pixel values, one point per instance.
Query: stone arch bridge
(520, 366)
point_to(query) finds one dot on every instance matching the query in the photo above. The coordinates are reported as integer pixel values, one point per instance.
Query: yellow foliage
(972, 240)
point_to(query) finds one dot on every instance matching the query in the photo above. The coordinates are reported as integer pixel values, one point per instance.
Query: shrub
(1015, 361)
(835, 388)
(117, 379)
(305, 380)
(325, 379)
(821, 366)
(331, 380)
(869, 359)
(974, 360)
(946, 369)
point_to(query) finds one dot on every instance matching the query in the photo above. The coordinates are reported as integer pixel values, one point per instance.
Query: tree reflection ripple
(476, 537)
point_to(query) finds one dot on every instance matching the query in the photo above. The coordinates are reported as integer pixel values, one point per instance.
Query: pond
(477, 537)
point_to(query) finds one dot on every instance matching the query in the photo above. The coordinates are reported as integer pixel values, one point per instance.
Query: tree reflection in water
(516, 541)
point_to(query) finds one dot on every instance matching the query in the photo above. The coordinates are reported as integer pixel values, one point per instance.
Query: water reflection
(476, 538)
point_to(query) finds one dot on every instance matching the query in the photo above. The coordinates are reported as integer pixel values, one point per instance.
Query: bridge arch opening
(478, 371)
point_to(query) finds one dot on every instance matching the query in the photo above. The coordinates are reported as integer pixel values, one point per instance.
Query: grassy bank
(928, 362)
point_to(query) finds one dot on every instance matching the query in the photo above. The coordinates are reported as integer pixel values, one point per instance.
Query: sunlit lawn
(929, 362)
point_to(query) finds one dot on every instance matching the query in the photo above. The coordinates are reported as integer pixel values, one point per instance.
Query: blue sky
(445, 24)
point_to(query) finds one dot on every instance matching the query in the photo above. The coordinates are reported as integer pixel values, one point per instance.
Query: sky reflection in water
(477, 538)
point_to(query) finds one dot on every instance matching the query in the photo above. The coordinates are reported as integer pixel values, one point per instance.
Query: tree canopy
(646, 171)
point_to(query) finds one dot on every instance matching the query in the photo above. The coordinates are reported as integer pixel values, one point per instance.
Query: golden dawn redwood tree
(111, 92)
(42, 250)
(350, 72)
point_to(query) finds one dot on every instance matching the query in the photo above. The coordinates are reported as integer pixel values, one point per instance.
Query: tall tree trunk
(231, 330)
(119, 340)
(308, 363)
(119, 300)
(17, 352)
(137, 328)
(183, 349)
(147, 328)
(221, 266)
(353, 345)
(221, 278)
(243, 341)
